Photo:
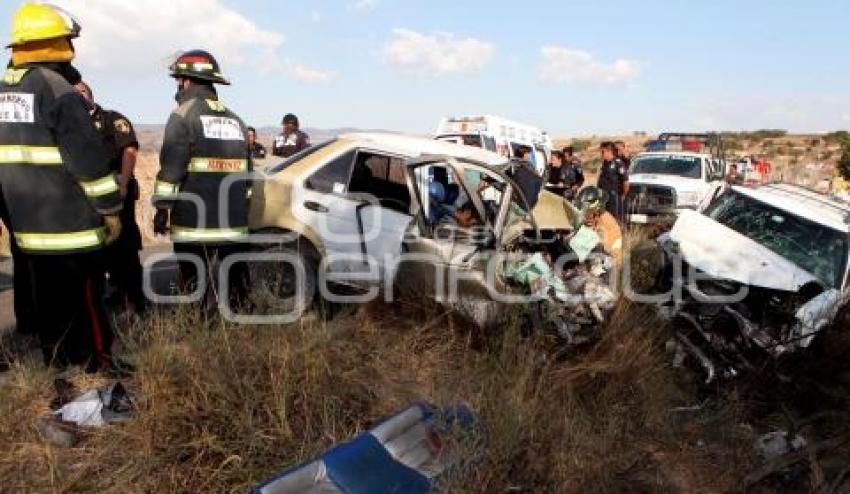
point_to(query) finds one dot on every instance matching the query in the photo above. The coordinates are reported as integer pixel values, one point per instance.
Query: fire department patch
(17, 108)
(222, 128)
(122, 126)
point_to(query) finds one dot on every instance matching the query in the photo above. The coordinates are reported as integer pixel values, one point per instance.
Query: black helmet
(591, 199)
(198, 64)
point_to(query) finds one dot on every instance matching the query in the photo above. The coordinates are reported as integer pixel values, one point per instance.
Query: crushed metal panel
(408, 453)
(724, 253)
(553, 212)
(815, 315)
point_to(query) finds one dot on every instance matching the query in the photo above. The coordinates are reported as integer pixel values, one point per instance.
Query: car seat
(436, 202)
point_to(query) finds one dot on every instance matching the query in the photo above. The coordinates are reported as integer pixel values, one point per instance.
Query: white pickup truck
(665, 182)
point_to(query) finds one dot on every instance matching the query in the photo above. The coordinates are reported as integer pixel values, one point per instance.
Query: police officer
(56, 190)
(255, 150)
(203, 153)
(122, 263)
(575, 173)
(292, 140)
(563, 177)
(623, 154)
(614, 180)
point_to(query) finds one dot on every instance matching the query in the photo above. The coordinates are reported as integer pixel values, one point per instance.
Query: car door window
(332, 178)
(383, 177)
(448, 212)
(490, 190)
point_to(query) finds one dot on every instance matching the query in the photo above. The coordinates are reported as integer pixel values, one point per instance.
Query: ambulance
(499, 135)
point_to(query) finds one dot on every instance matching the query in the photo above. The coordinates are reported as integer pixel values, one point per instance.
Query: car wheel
(276, 288)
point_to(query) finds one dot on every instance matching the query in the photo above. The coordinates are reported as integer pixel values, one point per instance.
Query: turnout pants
(69, 315)
(211, 257)
(24, 310)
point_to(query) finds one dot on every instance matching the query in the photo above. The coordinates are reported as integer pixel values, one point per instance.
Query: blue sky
(571, 67)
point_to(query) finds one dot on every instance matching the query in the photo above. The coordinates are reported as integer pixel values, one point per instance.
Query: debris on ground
(94, 408)
(777, 443)
(408, 452)
(577, 300)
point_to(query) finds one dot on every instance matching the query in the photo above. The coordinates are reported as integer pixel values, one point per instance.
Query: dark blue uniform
(612, 179)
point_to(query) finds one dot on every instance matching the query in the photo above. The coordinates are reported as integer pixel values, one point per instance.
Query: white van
(499, 135)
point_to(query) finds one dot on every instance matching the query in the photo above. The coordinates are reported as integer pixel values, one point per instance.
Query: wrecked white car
(760, 274)
(383, 213)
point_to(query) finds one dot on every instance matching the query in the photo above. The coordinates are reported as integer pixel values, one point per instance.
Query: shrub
(768, 134)
(839, 136)
(580, 145)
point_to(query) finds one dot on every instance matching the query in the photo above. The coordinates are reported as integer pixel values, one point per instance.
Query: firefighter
(122, 263)
(292, 140)
(56, 189)
(203, 153)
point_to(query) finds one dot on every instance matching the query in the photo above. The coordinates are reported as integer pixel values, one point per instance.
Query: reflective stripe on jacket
(55, 181)
(203, 151)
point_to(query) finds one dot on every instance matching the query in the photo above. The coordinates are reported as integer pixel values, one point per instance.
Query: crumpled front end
(729, 326)
(575, 297)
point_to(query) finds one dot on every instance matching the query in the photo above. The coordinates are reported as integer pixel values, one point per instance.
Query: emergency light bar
(711, 142)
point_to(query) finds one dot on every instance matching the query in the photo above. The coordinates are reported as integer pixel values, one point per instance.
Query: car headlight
(688, 199)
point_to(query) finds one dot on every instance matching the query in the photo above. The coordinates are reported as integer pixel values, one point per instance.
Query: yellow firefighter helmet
(40, 22)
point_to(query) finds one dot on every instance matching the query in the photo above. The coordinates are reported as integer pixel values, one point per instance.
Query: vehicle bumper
(656, 217)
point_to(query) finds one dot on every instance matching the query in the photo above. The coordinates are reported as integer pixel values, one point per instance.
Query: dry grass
(224, 408)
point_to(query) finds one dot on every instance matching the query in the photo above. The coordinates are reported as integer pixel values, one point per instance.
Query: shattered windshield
(683, 166)
(817, 249)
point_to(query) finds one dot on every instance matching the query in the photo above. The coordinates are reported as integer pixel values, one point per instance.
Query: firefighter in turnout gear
(203, 162)
(57, 194)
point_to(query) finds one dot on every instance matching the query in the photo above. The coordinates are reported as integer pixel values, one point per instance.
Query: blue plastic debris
(406, 453)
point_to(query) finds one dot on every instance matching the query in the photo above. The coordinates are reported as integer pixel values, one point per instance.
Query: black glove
(160, 222)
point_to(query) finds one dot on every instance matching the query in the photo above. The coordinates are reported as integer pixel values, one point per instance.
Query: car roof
(417, 146)
(803, 202)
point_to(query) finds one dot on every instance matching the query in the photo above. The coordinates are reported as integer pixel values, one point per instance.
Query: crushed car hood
(553, 212)
(726, 254)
